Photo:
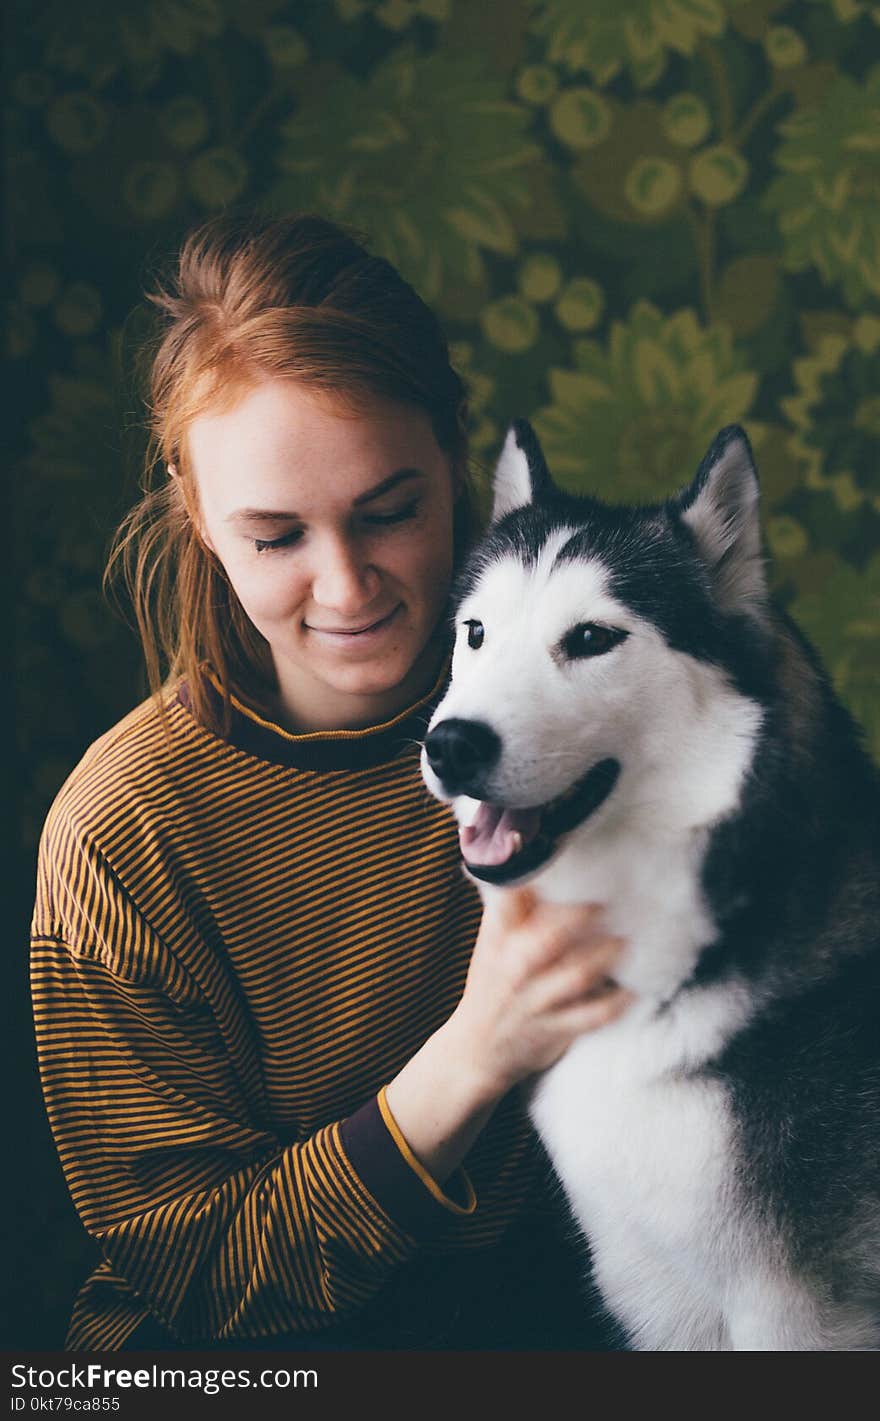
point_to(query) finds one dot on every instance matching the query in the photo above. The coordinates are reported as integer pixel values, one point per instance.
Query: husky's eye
(590, 639)
(475, 634)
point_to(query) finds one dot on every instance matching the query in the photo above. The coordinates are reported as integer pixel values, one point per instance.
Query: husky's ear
(721, 509)
(521, 474)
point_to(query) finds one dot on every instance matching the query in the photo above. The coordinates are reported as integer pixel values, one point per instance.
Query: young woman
(278, 1046)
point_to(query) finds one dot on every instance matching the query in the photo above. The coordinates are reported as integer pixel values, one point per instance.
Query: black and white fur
(719, 1143)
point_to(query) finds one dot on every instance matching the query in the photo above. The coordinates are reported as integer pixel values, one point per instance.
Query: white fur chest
(643, 1145)
(646, 1158)
(651, 889)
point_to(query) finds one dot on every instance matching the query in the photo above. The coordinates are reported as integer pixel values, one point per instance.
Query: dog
(631, 719)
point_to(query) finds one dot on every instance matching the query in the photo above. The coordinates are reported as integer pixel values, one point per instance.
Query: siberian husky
(632, 721)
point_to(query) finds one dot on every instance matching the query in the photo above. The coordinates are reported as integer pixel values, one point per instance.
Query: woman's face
(335, 530)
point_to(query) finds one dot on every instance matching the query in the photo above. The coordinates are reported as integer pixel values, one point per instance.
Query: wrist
(441, 1100)
(462, 1043)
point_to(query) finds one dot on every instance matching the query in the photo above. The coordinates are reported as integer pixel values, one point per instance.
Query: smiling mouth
(356, 631)
(501, 845)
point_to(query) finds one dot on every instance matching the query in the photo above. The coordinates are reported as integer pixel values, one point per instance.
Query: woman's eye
(382, 520)
(399, 515)
(263, 545)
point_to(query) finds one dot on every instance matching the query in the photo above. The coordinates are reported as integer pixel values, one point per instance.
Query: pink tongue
(490, 839)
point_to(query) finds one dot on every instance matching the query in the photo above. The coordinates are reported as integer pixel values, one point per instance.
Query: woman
(277, 1045)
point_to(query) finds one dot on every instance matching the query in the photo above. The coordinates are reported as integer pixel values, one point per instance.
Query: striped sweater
(237, 942)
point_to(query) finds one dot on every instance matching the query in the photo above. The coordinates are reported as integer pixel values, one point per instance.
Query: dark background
(636, 227)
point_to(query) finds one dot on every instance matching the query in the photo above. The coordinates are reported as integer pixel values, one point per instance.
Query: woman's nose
(343, 580)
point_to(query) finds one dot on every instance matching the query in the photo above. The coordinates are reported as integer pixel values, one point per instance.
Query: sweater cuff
(380, 1154)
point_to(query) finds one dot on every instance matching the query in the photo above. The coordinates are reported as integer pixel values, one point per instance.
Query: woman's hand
(540, 975)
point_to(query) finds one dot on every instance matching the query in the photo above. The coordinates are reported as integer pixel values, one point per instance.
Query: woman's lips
(371, 628)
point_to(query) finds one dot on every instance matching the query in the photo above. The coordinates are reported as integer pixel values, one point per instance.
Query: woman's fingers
(541, 973)
(588, 971)
(598, 1011)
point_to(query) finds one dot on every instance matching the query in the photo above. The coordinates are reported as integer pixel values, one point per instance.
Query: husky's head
(609, 662)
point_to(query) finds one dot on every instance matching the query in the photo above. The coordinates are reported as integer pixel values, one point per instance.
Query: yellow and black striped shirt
(237, 942)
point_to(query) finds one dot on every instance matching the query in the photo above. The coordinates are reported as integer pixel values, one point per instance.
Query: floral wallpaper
(638, 219)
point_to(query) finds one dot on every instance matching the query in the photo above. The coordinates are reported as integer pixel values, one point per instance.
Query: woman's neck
(303, 708)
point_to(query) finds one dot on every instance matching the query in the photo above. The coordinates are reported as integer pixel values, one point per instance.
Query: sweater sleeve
(222, 1230)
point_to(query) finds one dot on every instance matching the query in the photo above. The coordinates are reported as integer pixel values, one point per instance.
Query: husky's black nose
(459, 751)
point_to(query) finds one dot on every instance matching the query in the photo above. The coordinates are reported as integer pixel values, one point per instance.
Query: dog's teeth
(517, 840)
(467, 809)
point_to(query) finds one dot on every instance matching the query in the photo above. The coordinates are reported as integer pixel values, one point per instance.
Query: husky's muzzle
(503, 844)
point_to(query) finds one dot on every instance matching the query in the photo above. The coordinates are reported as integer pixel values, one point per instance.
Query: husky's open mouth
(500, 845)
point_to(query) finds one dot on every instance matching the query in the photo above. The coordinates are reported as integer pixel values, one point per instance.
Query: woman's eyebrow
(266, 515)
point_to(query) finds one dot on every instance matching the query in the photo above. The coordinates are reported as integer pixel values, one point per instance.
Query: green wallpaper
(639, 221)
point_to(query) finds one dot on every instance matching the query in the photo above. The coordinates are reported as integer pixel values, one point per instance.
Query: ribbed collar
(323, 749)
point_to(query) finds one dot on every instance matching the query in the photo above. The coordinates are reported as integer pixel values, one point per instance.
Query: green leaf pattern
(635, 414)
(605, 37)
(430, 155)
(827, 201)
